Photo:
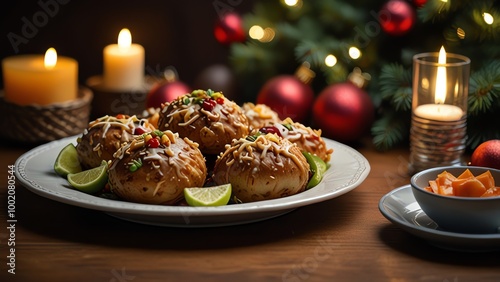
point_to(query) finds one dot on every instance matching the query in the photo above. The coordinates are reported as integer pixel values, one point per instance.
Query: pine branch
(311, 52)
(322, 27)
(250, 57)
(434, 10)
(484, 89)
(304, 29)
(339, 16)
(335, 74)
(315, 51)
(390, 130)
(395, 86)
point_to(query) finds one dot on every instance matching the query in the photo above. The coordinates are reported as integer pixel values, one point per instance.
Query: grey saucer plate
(400, 207)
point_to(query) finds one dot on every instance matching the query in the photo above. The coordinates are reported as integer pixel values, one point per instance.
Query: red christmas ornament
(166, 90)
(289, 95)
(229, 29)
(397, 17)
(419, 3)
(343, 112)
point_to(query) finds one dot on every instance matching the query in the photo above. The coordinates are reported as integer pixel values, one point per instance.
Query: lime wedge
(90, 181)
(318, 168)
(208, 196)
(67, 161)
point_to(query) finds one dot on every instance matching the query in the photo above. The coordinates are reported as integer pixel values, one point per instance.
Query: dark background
(173, 33)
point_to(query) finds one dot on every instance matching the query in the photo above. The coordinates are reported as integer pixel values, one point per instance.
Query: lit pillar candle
(123, 64)
(42, 80)
(440, 111)
(438, 130)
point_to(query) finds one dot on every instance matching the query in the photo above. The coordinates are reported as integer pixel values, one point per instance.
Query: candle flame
(440, 94)
(124, 38)
(50, 59)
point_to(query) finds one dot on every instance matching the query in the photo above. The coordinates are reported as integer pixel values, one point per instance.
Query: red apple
(166, 92)
(487, 154)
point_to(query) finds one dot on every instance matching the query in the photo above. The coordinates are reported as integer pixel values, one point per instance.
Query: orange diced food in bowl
(492, 192)
(487, 179)
(466, 174)
(470, 187)
(465, 185)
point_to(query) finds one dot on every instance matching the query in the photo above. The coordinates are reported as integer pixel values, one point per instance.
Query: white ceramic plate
(400, 207)
(34, 170)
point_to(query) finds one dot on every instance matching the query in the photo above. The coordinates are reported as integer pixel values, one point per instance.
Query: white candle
(439, 112)
(123, 64)
(41, 80)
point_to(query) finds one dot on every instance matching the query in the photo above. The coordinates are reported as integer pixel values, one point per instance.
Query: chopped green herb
(158, 133)
(197, 93)
(136, 164)
(288, 126)
(254, 137)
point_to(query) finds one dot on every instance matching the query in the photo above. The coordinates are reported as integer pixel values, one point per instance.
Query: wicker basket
(35, 124)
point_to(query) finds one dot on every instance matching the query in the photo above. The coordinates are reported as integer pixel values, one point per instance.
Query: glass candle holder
(439, 110)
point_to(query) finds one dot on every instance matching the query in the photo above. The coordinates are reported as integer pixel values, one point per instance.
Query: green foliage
(323, 27)
(434, 10)
(395, 86)
(390, 129)
(484, 89)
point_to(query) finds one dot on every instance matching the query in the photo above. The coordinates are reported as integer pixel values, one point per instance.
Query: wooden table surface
(343, 239)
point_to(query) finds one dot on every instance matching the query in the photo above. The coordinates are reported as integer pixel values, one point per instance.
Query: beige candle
(123, 64)
(35, 79)
(440, 111)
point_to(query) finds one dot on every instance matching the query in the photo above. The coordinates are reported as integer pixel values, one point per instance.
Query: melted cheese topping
(259, 115)
(186, 110)
(104, 141)
(259, 111)
(308, 138)
(246, 150)
(128, 124)
(170, 153)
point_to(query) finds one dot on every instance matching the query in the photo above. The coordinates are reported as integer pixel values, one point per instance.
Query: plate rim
(124, 207)
(425, 230)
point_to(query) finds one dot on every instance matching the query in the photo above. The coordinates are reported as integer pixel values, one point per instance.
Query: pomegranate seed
(208, 104)
(271, 129)
(153, 143)
(139, 131)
